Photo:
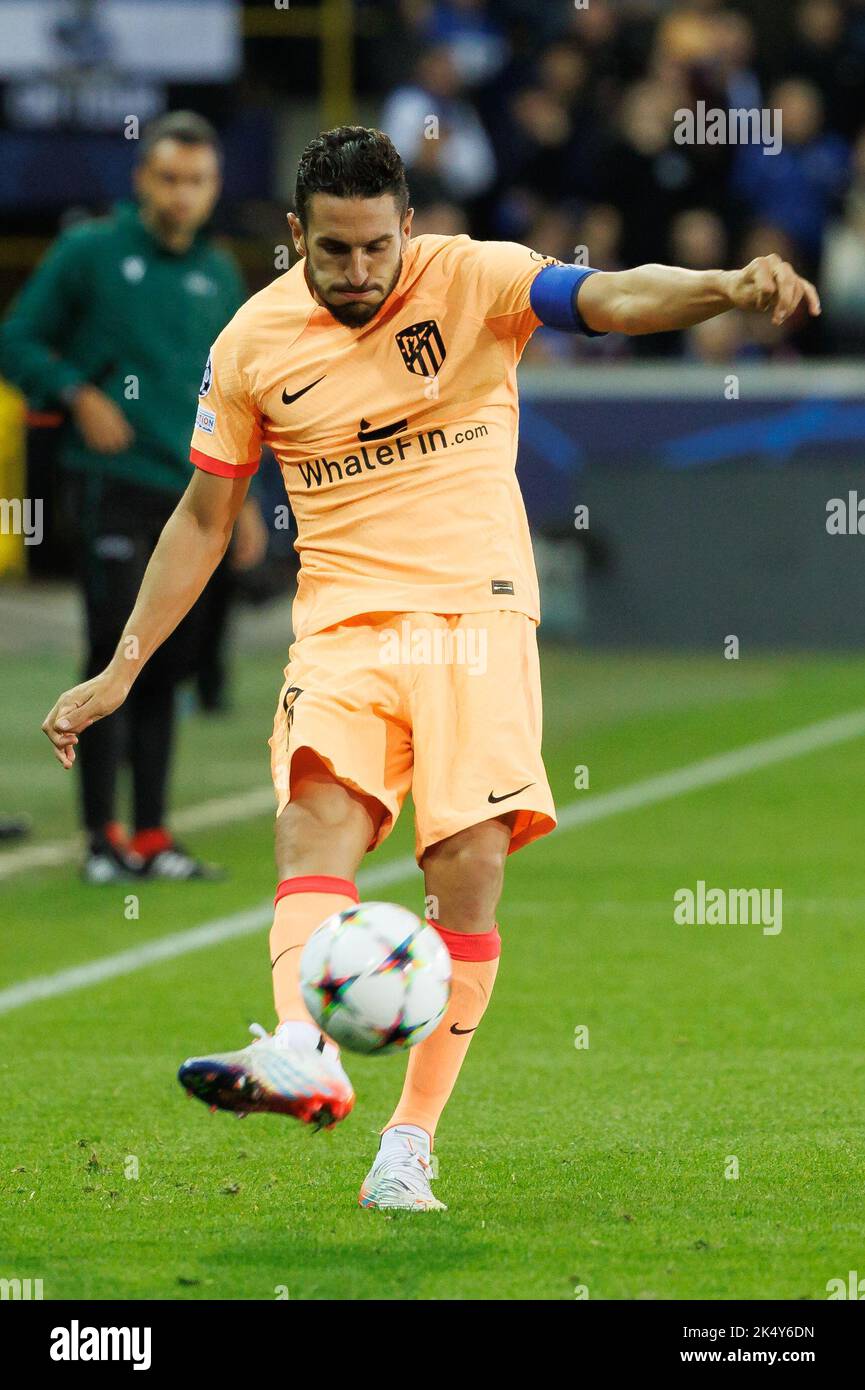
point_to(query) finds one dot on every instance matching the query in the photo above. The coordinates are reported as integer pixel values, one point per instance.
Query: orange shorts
(447, 706)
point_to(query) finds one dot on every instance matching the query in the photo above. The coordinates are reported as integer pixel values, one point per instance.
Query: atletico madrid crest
(422, 348)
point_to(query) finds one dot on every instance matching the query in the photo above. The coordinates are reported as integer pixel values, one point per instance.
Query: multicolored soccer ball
(376, 978)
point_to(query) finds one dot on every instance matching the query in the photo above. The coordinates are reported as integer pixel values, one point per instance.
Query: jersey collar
(128, 214)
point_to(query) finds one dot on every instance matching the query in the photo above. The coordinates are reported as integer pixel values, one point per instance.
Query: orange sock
(434, 1065)
(301, 904)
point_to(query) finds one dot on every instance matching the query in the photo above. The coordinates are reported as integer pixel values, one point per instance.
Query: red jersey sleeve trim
(221, 468)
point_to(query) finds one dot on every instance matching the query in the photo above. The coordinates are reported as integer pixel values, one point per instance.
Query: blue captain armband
(553, 297)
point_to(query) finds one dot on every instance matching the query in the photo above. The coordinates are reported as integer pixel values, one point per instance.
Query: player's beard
(355, 313)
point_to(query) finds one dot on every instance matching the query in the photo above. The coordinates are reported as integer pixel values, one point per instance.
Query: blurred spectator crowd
(554, 124)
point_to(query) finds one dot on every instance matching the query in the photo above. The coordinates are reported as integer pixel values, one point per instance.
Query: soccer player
(381, 370)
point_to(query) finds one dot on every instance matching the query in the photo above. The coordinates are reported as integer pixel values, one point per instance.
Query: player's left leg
(463, 878)
(476, 726)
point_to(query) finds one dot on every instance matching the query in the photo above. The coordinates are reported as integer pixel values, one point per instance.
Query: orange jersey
(397, 441)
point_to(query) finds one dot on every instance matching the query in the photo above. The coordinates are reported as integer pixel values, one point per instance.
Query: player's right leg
(341, 757)
(321, 836)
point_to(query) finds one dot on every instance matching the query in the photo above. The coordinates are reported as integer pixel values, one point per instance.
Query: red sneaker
(163, 858)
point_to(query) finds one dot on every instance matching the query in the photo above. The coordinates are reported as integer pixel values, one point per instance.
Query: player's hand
(249, 543)
(80, 707)
(771, 286)
(102, 424)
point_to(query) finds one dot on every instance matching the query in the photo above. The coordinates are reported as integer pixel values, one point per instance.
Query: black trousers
(118, 526)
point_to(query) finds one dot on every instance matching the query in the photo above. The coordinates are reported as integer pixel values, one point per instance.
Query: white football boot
(274, 1074)
(399, 1179)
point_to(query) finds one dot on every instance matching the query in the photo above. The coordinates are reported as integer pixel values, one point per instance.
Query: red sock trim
(463, 945)
(150, 842)
(317, 883)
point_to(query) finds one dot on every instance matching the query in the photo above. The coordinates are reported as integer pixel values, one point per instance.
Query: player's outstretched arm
(192, 544)
(662, 298)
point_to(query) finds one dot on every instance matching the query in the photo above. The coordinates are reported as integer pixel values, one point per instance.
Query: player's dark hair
(352, 161)
(186, 127)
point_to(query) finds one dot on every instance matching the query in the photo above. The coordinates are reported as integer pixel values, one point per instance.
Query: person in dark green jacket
(115, 326)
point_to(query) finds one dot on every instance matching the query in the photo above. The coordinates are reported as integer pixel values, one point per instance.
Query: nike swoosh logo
(454, 1028)
(287, 399)
(493, 798)
(365, 433)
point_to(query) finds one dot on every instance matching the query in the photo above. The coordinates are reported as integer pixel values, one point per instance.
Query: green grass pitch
(603, 1167)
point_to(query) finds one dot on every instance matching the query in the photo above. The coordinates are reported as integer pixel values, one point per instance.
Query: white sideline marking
(178, 943)
(707, 772)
